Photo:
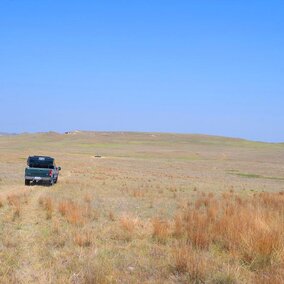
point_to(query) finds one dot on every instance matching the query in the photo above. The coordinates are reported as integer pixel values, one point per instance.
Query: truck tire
(51, 182)
(27, 182)
(55, 181)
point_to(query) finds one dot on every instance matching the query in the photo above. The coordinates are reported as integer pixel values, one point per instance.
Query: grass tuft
(161, 229)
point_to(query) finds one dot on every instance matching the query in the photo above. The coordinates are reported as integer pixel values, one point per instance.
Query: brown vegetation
(154, 209)
(72, 211)
(83, 238)
(249, 230)
(14, 200)
(47, 203)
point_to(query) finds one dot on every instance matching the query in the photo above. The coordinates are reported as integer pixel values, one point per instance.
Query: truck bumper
(37, 179)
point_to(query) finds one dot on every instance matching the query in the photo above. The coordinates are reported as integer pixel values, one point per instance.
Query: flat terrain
(152, 208)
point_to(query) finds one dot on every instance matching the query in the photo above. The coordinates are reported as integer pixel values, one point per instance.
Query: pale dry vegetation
(248, 232)
(153, 209)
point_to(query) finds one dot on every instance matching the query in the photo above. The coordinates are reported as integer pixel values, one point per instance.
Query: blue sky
(212, 67)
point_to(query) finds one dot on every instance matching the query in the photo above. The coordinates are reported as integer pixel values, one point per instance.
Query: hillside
(150, 208)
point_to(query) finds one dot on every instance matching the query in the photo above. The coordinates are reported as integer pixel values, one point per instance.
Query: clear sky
(190, 66)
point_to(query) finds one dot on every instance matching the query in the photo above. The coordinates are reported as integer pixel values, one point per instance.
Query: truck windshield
(41, 165)
(41, 162)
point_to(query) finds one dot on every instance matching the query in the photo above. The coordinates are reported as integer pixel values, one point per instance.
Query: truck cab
(41, 169)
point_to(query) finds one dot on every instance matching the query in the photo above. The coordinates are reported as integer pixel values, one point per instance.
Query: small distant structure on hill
(72, 132)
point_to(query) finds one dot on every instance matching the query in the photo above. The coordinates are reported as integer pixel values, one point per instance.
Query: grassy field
(155, 208)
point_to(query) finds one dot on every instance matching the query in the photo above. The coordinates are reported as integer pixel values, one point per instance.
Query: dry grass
(190, 262)
(48, 204)
(88, 198)
(73, 212)
(250, 230)
(155, 209)
(111, 216)
(1, 202)
(128, 223)
(14, 200)
(63, 207)
(138, 193)
(83, 238)
(161, 229)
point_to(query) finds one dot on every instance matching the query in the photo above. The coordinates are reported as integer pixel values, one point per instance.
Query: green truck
(41, 169)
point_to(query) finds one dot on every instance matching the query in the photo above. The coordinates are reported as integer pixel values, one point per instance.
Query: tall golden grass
(245, 231)
(250, 230)
(160, 229)
(47, 203)
(14, 200)
(73, 212)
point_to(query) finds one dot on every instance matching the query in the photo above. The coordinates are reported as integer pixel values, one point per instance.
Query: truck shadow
(40, 184)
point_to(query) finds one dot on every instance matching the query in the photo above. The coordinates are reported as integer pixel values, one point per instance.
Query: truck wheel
(50, 183)
(27, 182)
(55, 181)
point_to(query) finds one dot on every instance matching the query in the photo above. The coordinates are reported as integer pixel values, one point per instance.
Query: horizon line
(141, 132)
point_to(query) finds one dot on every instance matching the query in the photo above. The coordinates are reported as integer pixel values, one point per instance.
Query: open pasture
(154, 208)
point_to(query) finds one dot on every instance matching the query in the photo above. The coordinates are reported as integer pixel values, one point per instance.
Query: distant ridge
(7, 134)
(204, 138)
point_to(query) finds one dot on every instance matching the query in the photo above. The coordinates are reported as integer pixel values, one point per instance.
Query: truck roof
(45, 157)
